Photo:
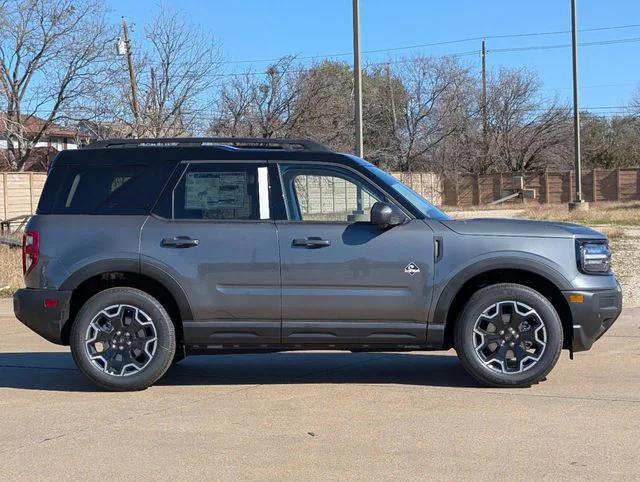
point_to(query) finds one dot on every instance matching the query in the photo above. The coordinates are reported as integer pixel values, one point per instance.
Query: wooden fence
(550, 187)
(20, 192)
(427, 184)
(337, 195)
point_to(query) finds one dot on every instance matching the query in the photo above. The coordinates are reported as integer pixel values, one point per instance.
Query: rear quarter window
(104, 189)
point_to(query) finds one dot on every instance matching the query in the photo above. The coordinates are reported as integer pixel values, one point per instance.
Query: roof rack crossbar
(248, 142)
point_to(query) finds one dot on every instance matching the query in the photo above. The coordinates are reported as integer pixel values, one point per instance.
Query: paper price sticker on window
(209, 190)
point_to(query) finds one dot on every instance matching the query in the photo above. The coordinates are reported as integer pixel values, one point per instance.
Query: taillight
(30, 250)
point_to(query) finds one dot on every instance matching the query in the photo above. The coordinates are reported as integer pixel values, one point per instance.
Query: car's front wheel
(508, 335)
(123, 339)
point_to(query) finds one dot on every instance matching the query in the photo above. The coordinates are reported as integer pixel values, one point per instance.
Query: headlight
(594, 257)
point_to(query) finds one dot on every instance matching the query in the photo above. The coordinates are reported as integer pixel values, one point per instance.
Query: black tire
(485, 368)
(162, 335)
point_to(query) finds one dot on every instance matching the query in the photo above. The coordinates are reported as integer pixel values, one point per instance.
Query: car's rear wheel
(123, 339)
(508, 335)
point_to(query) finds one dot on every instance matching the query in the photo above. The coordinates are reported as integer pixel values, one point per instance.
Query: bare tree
(182, 67)
(324, 108)
(635, 103)
(625, 146)
(52, 55)
(262, 104)
(384, 94)
(235, 104)
(435, 96)
(177, 67)
(597, 136)
(526, 131)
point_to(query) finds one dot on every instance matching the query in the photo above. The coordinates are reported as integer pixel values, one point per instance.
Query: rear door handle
(311, 242)
(179, 242)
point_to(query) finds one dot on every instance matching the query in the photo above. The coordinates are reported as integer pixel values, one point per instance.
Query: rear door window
(219, 191)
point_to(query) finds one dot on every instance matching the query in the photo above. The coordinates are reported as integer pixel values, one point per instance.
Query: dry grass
(600, 214)
(10, 270)
(516, 206)
(613, 232)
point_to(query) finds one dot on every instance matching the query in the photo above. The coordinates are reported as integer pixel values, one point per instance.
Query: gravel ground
(626, 265)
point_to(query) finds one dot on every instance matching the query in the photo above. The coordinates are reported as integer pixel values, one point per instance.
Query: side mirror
(387, 215)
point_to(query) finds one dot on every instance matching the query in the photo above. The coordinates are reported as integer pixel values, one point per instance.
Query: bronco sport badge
(412, 269)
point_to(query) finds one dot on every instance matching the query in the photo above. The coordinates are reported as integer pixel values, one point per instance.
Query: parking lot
(320, 415)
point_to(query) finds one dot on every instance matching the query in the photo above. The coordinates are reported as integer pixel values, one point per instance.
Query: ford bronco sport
(142, 252)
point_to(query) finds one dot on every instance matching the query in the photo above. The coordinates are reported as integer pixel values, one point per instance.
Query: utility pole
(132, 75)
(485, 144)
(394, 117)
(357, 74)
(578, 202)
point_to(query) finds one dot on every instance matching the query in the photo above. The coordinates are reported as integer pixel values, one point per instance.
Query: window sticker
(216, 190)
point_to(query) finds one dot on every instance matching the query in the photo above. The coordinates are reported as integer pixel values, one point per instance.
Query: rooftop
(33, 125)
(232, 142)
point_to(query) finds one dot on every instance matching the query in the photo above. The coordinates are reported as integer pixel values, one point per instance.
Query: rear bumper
(593, 317)
(48, 322)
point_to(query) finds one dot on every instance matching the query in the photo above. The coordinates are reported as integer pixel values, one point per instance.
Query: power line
(560, 46)
(444, 42)
(455, 41)
(469, 52)
(214, 114)
(598, 86)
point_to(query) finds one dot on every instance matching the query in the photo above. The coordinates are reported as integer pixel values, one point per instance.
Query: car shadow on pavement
(57, 372)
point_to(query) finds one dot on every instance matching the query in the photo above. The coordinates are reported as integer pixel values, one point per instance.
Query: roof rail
(240, 142)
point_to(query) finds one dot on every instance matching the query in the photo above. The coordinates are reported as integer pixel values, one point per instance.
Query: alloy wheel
(121, 340)
(509, 337)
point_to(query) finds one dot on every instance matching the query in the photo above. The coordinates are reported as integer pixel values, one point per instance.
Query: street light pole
(357, 74)
(578, 202)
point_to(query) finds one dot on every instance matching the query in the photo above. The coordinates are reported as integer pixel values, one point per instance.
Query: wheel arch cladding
(454, 297)
(163, 288)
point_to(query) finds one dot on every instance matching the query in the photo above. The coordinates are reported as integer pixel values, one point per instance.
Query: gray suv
(143, 252)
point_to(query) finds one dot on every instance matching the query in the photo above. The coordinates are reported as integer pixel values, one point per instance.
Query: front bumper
(594, 316)
(48, 322)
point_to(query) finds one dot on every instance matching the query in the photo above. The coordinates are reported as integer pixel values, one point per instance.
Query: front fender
(448, 288)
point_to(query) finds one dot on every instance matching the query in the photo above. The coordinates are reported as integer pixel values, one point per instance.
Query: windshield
(416, 200)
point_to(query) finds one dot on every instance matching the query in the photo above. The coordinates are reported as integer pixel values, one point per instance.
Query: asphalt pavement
(320, 415)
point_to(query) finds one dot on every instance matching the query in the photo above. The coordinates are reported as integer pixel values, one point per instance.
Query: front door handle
(179, 242)
(311, 242)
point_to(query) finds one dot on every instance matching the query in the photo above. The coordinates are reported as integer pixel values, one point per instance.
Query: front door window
(327, 194)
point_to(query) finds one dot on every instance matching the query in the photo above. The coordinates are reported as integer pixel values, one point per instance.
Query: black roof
(237, 142)
(205, 148)
(168, 151)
